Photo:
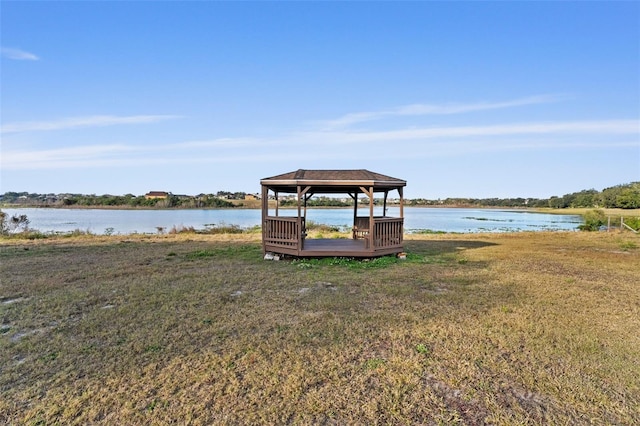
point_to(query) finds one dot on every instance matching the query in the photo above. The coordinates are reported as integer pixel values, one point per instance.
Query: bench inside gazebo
(372, 235)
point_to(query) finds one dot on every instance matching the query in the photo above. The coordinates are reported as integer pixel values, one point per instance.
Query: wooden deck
(334, 247)
(328, 247)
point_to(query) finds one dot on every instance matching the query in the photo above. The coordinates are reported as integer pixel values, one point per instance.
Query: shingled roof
(332, 181)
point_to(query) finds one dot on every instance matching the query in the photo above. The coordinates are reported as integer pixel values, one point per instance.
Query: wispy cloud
(119, 155)
(408, 144)
(62, 157)
(433, 109)
(18, 54)
(79, 122)
(569, 127)
(217, 143)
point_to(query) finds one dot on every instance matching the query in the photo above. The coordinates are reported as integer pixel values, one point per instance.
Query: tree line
(128, 200)
(625, 196)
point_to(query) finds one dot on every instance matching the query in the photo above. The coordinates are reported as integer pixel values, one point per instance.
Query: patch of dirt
(472, 411)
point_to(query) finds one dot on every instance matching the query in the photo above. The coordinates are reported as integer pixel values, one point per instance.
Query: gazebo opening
(373, 233)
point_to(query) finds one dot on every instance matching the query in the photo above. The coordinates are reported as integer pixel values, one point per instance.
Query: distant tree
(330, 202)
(535, 202)
(629, 198)
(587, 198)
(621, 196)
(69, 201)
(556, 202)
(567, 200)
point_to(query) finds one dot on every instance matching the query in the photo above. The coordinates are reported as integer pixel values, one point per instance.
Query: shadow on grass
(443, 247)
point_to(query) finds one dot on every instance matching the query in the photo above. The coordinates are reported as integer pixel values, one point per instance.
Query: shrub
(77, 233)
(321, 227)
(593, 220)
(222, 229)
(13, 223)
(182, 230)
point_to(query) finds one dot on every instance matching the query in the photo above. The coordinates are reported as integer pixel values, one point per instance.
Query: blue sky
(461, 99)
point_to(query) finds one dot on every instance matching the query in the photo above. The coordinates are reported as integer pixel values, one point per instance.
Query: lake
(417, 219)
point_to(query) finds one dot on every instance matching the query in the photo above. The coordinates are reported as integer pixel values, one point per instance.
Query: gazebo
(371, 235)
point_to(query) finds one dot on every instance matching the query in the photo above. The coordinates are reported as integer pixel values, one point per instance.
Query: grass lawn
(522, 328)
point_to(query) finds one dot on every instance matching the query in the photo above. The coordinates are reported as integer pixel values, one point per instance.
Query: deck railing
(287, 234)
(283, 232)
(387, 231)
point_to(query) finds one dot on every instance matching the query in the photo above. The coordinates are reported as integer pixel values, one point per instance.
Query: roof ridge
(344, 175)
(369, 173)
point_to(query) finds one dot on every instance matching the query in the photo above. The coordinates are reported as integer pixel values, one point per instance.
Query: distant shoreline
(563, 211)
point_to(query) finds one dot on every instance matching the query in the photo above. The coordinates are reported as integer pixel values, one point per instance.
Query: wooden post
(355, 208)
(371, 221)
(299, 236)
(306, 195)
(369, 193)
(400, 191)
(384, 204)
(265, 202)
(354, 197)
(265, 213)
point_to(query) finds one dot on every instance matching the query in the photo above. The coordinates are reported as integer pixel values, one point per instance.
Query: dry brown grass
(523, 328)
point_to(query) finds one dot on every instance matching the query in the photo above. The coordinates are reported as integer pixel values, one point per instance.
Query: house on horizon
(156, 195)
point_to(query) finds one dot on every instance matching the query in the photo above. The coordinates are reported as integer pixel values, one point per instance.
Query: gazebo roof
(332, 181)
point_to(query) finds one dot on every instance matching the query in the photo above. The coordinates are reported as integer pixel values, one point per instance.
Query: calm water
(416, 219)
